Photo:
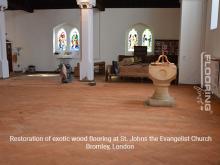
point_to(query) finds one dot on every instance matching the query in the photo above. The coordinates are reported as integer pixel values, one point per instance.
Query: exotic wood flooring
(41, 106)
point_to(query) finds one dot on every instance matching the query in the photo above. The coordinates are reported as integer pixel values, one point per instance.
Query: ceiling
(31, 5)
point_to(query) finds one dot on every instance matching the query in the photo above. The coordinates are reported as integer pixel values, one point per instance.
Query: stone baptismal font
(162, 72)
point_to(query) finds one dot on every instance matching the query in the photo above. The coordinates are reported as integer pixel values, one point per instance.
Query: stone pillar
(4, 72)
(86, 63)
(192, 37)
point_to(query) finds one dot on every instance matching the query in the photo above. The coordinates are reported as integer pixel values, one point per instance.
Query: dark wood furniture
(137, 70)
(99, 68)
(76, 70)
(170, 47)
(140, 53)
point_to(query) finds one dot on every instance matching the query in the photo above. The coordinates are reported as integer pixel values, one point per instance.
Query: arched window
(74, 40)
(147, 39)
(66, 40)
(61, 40)
(132, 40)
(139, 35)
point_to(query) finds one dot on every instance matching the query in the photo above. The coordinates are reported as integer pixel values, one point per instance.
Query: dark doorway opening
(9, 56)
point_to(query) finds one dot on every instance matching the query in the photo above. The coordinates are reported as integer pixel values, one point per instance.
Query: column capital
(86, 4)
(3, 4)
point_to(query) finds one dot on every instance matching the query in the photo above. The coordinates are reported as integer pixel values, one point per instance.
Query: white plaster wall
(212, 47)
(212, 36)
(34, 31)
(192, 39)
(164, 23)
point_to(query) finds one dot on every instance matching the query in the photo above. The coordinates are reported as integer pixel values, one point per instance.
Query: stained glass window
(61, 38)
(74, 40)
(132, 40)
(147, 40)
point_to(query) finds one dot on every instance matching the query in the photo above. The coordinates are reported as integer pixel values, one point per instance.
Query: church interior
(109, 82)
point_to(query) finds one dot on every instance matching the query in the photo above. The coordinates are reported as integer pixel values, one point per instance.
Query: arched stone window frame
(140, 28)
(70, 38)
(68, 28)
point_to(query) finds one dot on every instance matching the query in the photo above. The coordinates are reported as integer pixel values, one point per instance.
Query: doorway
(9, 56)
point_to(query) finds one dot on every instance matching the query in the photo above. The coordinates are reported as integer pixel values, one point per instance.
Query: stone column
(192, 34)
(86, 63)
(4, 72)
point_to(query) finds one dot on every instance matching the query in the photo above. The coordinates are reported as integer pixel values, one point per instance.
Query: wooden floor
(41, 106)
